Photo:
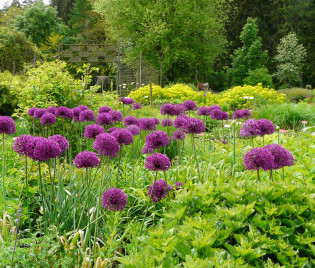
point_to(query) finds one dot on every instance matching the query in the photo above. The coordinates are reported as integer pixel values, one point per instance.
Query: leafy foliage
(259, 75)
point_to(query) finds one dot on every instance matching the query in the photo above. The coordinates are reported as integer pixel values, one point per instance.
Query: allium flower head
(157, 139)
(92, 131)
(194, 126)
(158, 190)
(31, 111)
(225, 116)
(146, 150)
(7, 125)
(111, 129)
(117, 116)
(238, 114)
(258, 158)
(190, 105)
(87, 115)
(105, 119)
(178, 134)
(215, 107)
(146, 124)
(48, 119)
(39, 113)
(20, 144)
(136, 106)
(282, 156)
(249, 129)
(178, 185)
(180, 121)
(166, 109)
(107, 145)
(45, 149)
(126, 100)
(86, 159)
(167, 122)
(76, 113)
(157, 162)
(64, 112)
(104, 109)
(131, 120)
(204, 111)
(216, 114)
(83, 107)
(156, 121)
(51, 110)
(246, 113)
(135, 130)
(265, 127)
(30, 146)
(62, 141)
(179, 109)
(114, 199)
(123, 136)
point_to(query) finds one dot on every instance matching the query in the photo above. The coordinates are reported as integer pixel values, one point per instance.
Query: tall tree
(9, 13)
(64, 8)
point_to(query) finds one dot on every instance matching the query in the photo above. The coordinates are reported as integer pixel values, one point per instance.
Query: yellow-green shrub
(234, 97)
(142, 94)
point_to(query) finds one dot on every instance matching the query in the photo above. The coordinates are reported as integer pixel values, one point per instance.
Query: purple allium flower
(282, 156)
(62, 141)
(146, 124)
(146, 150)
(105, 119)
(39, 113)
(92, 131)
(178, 134)
(130, 120)
(87, 115)
(128, 101)
(157, 139)
(48, 119)
(30, 146)
(258, 158)
(20, 144)
(180, 121)
(7, 125)
(249, 129)
(179, 109)
(122, 99)
(114, 199)
(166, 109)
(117, 116)
(225, 116)
(137, 106)
(224, 141)
(107, 145)
(215, 107)
(178, 185)
(246, 113)
(64, 112)
(190, 105)
(158, 162)
(167, 122)
(265, 127)
(135, 130)
(104, 109)
(111, 129)
(156, 121)
(204, 111)
(238, 114)
(31, 111)
(158, 190)
(216, 114)
(194, 126)
(83, 107)
(51, 110)
(123, 136)
(76, 113)
(86, 159)
(45, 149)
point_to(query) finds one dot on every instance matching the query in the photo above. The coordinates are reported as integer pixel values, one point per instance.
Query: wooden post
(150, 93)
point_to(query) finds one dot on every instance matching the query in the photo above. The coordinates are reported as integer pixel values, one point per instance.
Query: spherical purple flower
(111, 129)
(122, 99)
(178, 134)
(258, 158)
(128, 101)
(137, 106)
(45, 149)
(156, 121)
(265, 127)
(166, 109)
(130, 120)
(238, 114)
(178, 185)
(216, 114)
(31, 111)
(146, 124)
(204, 111)
(157, 139)
(107, 145)
(83, 107)
(117, 116)
(51, 110)
(246, 113)
(64, 112)
(87, 115)
(135, 130)
(7, 125)
(114, 199)
(180, 121)
(62, 141)
(30, 146)
(105, 119)
(215, 107)
(123, 136)
(76, 113)
(179, 109)
(39, 113)
(146, 150)
(104, 109)
(225, 116)
(92, 131)
(190, 105)
(48, 119)
(157, 162)
(20, 144)
(167, 122)
(282, 156)
(86, 159)
(249, 129)
(194, 126)
(158, 190)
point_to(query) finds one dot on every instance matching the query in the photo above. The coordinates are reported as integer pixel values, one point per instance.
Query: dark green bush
(8, 101)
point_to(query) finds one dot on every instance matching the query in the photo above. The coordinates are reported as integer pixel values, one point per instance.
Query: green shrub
(8, 101)
(298, 94)
(259, 75)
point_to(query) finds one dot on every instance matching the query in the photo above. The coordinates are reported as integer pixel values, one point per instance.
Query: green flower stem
(3, 162)
(27, 200)
(197, 163)
(234, 160)
(258, 178)
(42, 197)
